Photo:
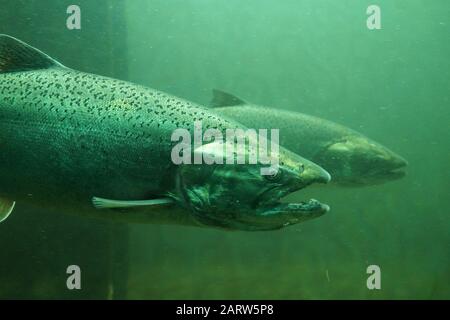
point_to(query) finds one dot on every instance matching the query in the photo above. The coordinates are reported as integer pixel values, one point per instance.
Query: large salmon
(77, 142)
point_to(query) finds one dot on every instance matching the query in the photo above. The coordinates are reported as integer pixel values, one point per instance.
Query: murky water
(314, 57)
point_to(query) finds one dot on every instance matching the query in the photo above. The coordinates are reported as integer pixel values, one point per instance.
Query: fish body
(68, 138)
(351, 158)
(66, 135)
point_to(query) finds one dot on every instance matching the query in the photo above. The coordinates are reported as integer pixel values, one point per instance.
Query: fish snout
(390, 160)
(399, 161)
(314, 173)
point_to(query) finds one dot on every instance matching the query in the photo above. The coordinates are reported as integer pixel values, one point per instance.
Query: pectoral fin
(101, 203)
(6, 207)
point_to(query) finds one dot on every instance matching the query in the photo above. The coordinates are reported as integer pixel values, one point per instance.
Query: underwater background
(316, 57)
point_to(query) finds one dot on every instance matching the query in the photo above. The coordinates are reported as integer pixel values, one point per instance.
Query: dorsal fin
(224, 99)
(16, 55)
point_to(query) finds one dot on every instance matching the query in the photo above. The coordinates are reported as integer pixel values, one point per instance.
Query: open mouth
(393, 172)
(272, 205)
(396, 168)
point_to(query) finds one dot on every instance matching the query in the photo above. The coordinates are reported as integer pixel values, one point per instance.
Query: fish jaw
(286, 214)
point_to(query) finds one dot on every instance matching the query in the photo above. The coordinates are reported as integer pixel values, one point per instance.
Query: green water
(316, 57)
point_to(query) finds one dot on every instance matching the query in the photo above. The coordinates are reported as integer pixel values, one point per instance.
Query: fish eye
(301, 168)
(275, 175)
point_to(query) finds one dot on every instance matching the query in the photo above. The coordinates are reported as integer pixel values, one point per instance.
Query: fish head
(356, 161)
(240, 197)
